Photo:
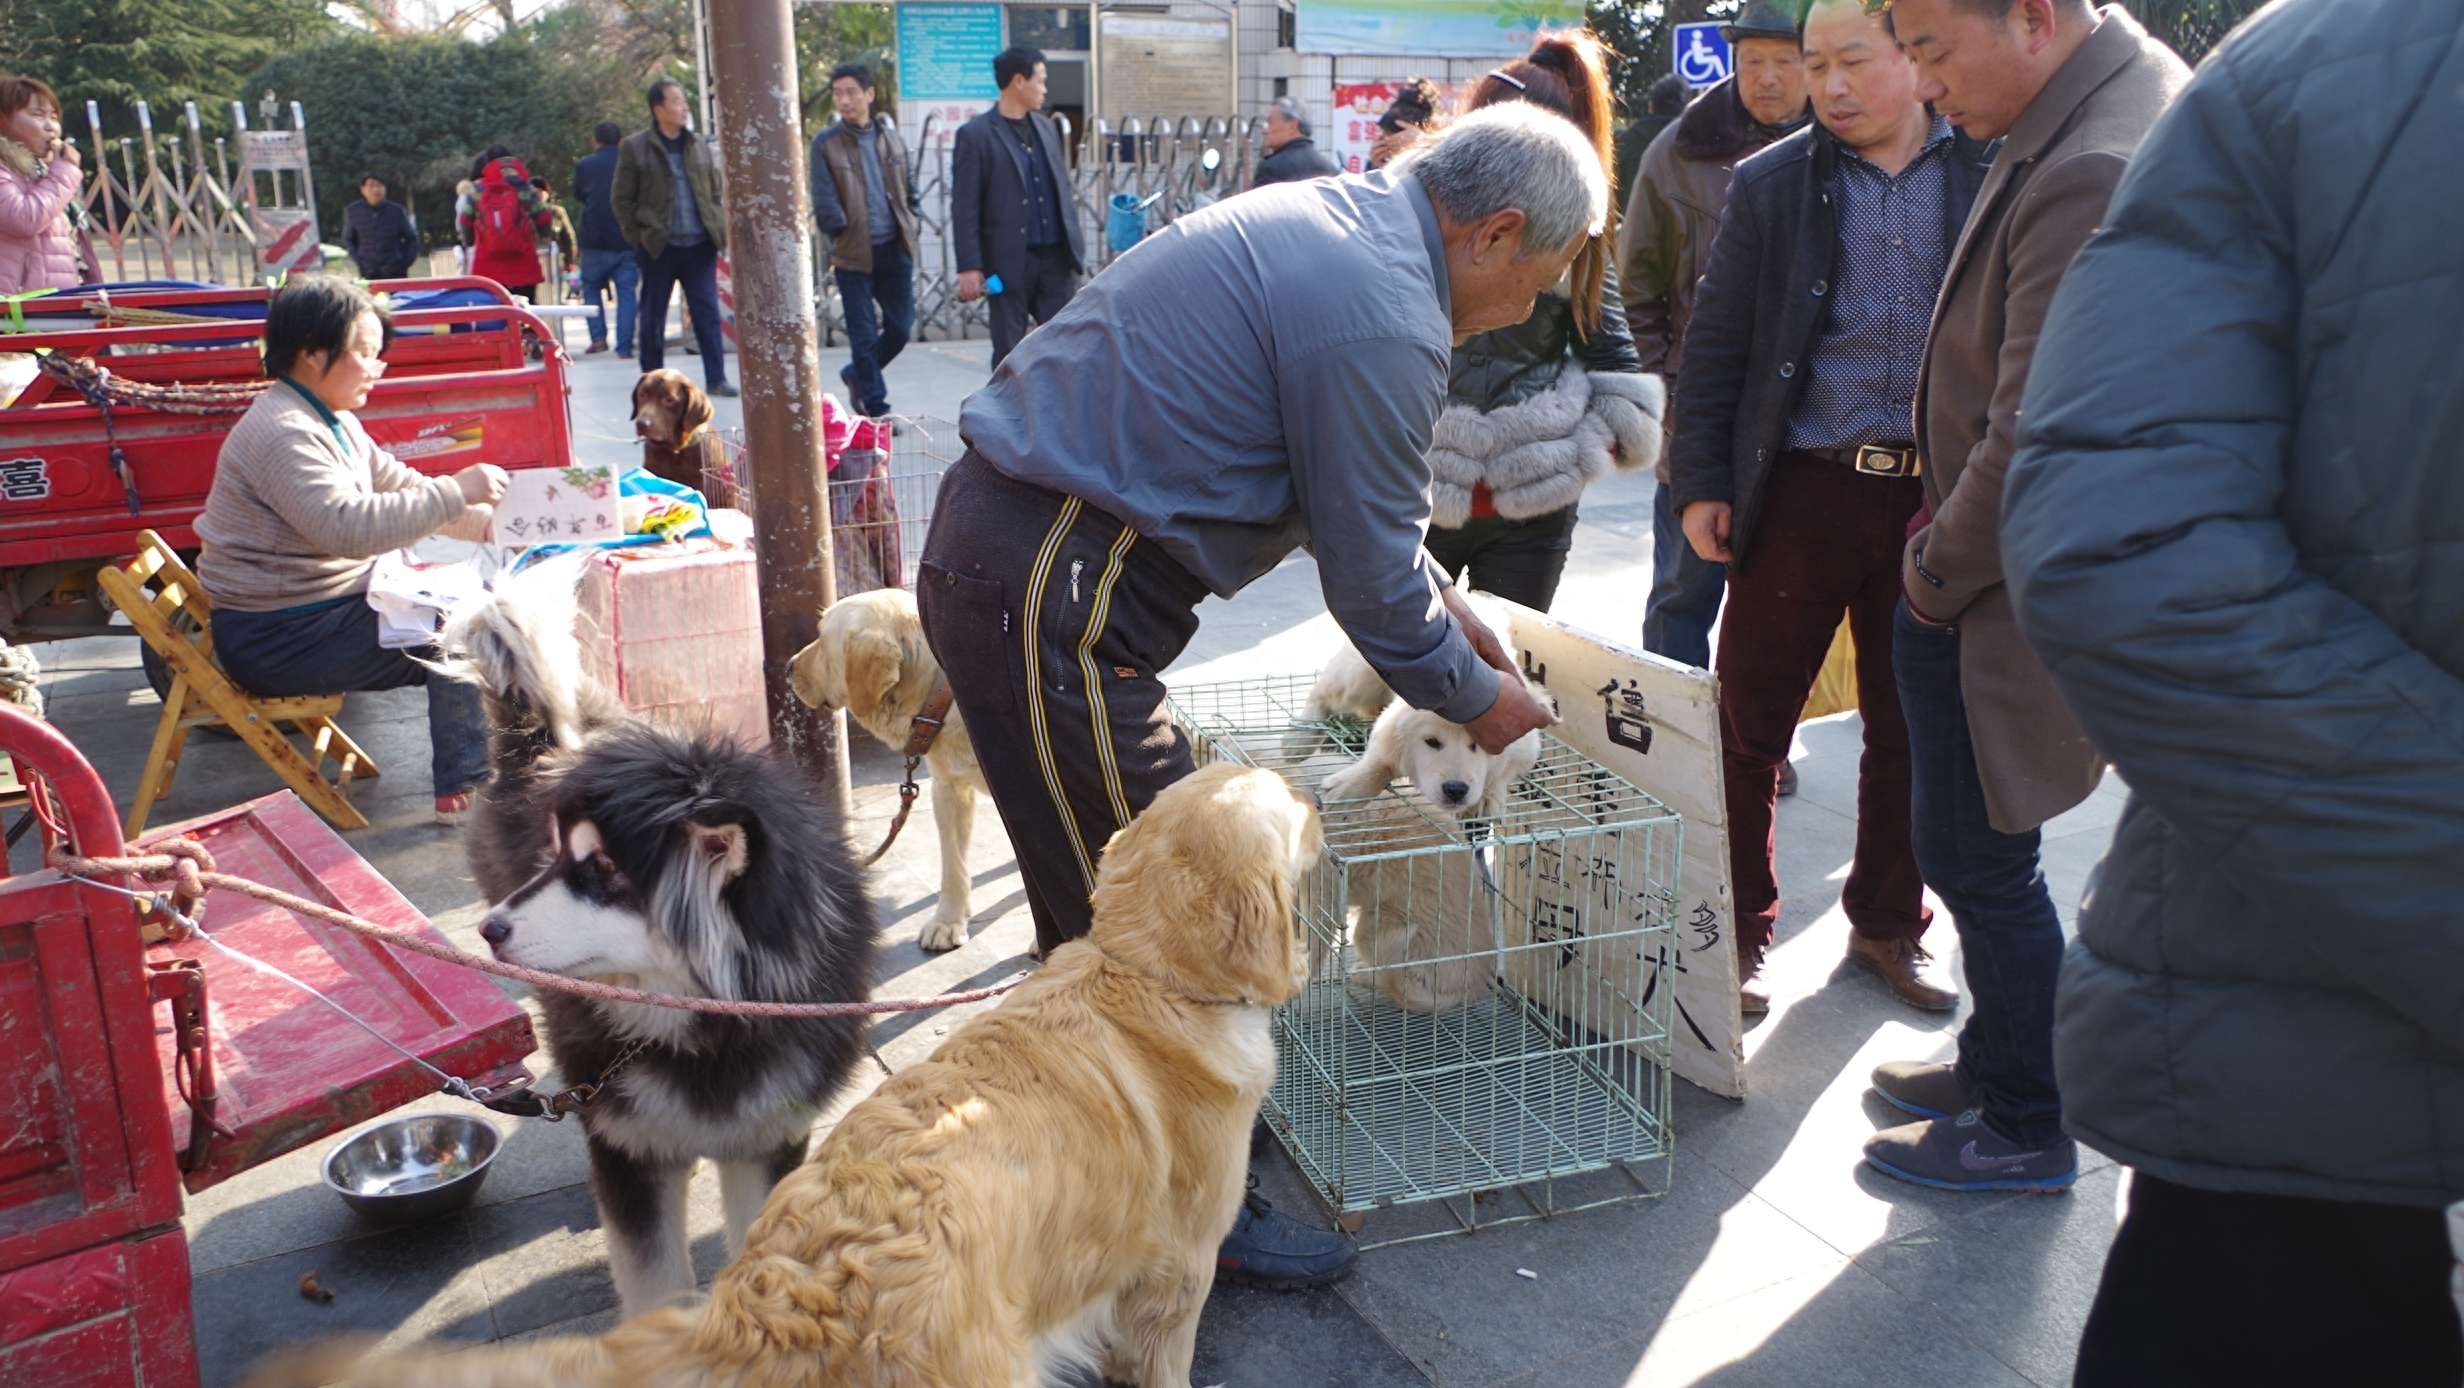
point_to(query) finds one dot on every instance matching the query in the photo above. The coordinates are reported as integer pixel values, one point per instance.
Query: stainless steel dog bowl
(413, 1168)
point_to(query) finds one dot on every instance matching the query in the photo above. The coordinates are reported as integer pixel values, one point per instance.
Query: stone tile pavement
(1773, 1259)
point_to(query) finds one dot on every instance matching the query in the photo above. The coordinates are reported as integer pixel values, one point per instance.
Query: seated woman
(304, 502)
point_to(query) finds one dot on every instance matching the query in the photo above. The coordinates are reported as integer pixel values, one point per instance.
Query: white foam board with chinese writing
(1657, 723)
(559, 506)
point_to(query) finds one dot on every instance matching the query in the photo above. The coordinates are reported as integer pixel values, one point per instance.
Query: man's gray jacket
(1258, 376)
(2235, 534)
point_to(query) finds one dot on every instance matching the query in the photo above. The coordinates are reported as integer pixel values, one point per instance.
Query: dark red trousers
(1828, 542)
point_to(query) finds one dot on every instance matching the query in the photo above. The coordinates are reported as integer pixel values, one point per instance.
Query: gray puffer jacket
(2235, 533)
(1540, 411)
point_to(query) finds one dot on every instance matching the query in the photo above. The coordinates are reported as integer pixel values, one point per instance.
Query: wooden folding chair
(172, 613)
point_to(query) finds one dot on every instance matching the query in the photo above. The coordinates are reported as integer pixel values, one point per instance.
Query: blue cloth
(875, 340)
(693, 266)
(684, 220)
(621, 270)
(1685, 590)
(1043, 195)
(2010, 936)
(1254, 377)
(330, 648)
(1892, 249)
(879, 224)
(594, 175)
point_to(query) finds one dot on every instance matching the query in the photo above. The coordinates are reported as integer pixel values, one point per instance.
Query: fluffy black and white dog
(618, 850)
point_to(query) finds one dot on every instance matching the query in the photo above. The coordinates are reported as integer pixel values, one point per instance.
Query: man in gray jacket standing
(2235, 533)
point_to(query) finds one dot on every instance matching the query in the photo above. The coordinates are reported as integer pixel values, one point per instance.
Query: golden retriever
(871, 660)
(671, 416)
(1442, 760)
(1048, 1189)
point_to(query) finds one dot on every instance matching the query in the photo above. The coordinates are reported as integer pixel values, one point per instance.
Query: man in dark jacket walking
(2070, 92)
(1290, 153)
(2235, 533)
(1013, 208)
(863, 202)
(1793, 445)
(378, 233)
(666, 199)
(607, 261)
(1672, 213)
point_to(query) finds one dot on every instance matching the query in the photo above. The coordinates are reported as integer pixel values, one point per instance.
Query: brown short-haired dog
(1048, 1189)
(672, 416)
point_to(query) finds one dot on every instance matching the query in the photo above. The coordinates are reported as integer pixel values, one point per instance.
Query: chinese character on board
(1624, 712)
(25, 479)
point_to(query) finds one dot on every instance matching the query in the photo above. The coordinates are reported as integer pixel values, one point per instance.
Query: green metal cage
(1487, 1009)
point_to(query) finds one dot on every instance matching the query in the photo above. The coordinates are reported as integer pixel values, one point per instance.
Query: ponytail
(1567, 73)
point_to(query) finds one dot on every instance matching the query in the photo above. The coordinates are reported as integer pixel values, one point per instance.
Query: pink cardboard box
(675, 630)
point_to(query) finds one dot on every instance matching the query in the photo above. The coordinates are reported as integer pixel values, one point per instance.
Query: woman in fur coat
(1537, 412)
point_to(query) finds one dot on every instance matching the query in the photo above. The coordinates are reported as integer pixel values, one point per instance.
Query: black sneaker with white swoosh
(1965, 1153)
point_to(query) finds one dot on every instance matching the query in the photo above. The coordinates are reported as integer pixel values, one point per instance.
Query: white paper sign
(559, 506)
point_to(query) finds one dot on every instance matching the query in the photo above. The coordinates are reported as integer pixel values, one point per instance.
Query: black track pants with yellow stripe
(1053, 622)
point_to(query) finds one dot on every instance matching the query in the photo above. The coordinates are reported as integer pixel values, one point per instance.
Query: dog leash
(187, 865)
(921, 733)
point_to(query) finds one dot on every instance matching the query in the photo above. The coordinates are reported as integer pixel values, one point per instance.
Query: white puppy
(1439, 757)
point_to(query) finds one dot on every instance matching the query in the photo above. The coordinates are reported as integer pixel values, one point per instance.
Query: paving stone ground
(1774, 1258)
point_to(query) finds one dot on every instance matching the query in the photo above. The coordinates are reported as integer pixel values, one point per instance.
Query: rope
(190, 868)
(103, 390)
(20, 678)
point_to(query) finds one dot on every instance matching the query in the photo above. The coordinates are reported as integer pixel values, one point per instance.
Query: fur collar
(1717, 126)
(1539, 455)
(22, 159)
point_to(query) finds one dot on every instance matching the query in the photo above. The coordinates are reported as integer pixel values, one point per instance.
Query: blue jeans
(875, 341)
(330, 648)
(600, 270)
(1685, 591)
(2009, 933)
(695, 269)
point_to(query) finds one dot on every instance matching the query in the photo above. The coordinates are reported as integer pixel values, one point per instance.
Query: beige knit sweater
(294, 519)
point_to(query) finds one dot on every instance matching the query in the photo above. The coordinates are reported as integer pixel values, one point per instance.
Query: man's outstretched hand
(1516, 711)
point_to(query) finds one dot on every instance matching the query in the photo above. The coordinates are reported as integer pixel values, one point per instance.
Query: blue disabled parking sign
(1701, 55)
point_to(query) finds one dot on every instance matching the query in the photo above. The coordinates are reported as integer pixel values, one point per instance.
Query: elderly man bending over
(1258, 377)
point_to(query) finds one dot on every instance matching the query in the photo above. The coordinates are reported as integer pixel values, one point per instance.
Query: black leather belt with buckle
(1882, 462)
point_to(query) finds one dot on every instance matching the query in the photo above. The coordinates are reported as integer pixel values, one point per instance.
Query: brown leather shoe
(1901, 964)
(1753, 990)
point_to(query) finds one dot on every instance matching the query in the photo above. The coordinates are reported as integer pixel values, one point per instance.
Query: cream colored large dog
(871, 660)
(1048, 1189)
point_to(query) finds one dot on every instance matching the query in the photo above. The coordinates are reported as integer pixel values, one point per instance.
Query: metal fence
(161, 205)
(1163, 158)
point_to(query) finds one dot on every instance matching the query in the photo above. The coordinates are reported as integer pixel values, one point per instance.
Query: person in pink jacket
(39, 178)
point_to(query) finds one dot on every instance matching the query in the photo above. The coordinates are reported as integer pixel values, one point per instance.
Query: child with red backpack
(500, 220)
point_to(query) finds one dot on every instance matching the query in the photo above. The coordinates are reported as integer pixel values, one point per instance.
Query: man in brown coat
(2070, 91)
(1663, 243)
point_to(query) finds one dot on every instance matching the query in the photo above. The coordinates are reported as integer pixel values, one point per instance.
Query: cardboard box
(675, 631)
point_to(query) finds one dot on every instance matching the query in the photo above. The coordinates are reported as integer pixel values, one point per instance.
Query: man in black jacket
(1013, 212)
(1290, 153)
(607, 261)
(378, 233)
(1793, 449)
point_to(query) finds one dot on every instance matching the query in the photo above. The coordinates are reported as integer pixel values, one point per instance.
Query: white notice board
(1657, 723)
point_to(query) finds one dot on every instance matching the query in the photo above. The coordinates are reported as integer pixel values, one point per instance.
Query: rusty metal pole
(769, 249)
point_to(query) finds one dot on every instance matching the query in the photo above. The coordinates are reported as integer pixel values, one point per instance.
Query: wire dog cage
(880, 503)
(1486, 1008)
